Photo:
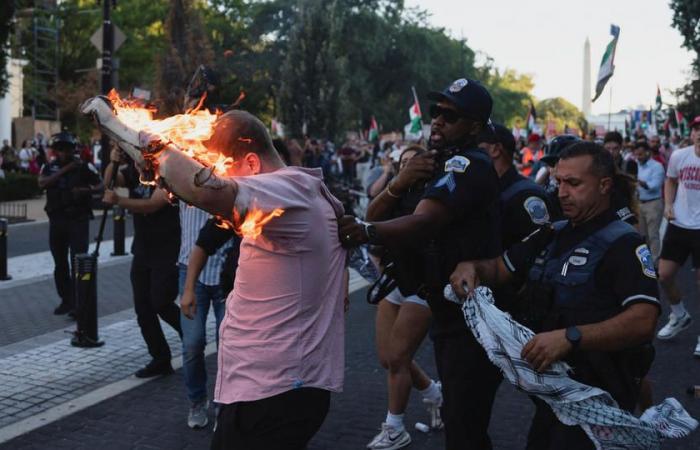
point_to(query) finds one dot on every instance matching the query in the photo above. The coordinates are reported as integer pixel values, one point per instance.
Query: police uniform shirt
(156, 235)
(625, 275)
(467, 184)
(522, 213)
(60, 199)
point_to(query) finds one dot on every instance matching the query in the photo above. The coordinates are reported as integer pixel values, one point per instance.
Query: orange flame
(188, 131)
(255, 219)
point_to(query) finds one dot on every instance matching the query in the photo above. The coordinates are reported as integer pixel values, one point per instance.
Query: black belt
(652, 200)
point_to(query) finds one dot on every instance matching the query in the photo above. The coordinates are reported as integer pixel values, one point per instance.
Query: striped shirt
(191, 221)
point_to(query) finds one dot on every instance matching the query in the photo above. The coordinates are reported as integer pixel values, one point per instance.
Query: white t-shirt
(685, 166)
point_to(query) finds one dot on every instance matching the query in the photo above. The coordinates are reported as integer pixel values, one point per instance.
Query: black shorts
(679, 243)
(285, 421)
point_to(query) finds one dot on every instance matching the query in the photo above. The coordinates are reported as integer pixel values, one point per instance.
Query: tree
(188, 47)
(561, 112)
(686, 19)
(7, 13)
(312, 77)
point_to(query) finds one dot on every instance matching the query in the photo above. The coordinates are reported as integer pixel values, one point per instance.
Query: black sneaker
(63, 308)
(155, 369)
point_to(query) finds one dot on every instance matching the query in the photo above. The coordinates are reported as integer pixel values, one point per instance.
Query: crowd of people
(573, 236)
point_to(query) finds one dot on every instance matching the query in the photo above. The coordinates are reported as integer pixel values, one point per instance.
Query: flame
(255, 219)
(188, 131)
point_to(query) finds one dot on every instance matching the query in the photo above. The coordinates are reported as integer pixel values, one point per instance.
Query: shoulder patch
(457, 163)
(646, 260)
(447, 181)
(537, 210)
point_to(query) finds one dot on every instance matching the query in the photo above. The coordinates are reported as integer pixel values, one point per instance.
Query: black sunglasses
(448, 115)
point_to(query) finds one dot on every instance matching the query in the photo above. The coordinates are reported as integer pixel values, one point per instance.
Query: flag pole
(610, 106)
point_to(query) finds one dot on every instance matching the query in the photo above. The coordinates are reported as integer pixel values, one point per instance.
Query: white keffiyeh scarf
(574, 403)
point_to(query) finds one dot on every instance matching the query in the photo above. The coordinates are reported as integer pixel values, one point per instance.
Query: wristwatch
(370, 231)
(573, 335)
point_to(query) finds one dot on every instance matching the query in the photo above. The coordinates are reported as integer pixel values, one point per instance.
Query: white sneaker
(674, 326)
(390, 439)
(197, 417)
(434, 411)
(697, 349)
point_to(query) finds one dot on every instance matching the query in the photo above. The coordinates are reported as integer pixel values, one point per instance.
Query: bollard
(86, 302)
(3, 251)
(119, 224)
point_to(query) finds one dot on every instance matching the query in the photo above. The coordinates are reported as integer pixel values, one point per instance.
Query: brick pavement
(153, 415)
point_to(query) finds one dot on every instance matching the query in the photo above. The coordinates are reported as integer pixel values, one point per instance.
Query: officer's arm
(158, 200)
(470, 274)
(632, 327)
(48, 180)
(427, 219)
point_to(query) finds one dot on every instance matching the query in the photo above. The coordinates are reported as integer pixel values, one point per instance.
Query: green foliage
(332, 64)
(561, 112)
(7, 13)
(686, 19)
(18, 186)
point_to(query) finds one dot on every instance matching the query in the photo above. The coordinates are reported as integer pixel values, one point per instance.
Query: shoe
(696, 353)
(390, 439)
(434, 411)
(63, 308)
(674, 326)
(154, 369)
(197, 417)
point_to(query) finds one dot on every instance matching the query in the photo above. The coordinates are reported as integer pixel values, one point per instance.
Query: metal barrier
(13, 212)
(3, 251)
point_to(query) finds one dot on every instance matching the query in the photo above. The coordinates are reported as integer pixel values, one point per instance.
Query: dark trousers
(547, 433)
(286, 421)
(67, 238)
(155, 289)
(469, 384)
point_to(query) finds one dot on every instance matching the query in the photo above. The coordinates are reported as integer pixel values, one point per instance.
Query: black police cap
(498, 134)
(469, 96)
(63, 140)
(555, 146)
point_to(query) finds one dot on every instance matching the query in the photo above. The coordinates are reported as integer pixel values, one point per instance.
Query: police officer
(154, 271)
(456, 219)
(69, 183)
(546, 178)
(591, 285)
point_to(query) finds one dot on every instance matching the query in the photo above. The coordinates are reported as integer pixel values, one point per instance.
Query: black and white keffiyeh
(574, 403)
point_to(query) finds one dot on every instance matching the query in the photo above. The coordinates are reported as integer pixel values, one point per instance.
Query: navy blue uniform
(154, 272)
(69, 214)
(591, 273)
(468, 186)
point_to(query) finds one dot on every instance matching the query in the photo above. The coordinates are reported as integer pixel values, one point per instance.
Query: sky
(545, 38)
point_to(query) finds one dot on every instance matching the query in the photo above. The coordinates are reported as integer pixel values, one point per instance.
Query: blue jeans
(194, 336)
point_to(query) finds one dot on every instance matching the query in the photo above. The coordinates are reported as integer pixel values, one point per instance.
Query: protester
(9, 157)
(153, 269)
(590, 292)
(530, 155)
(200, 290)
(402, 321)
(682, 238)
(656, 151)
(69, 184)
(650, 181)
(281, 349)
(26, 155)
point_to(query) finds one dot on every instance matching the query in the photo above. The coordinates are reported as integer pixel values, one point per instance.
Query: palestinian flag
(659, 103)
(373, 134)
(682, 124)
(415, 115)
(531, 121)
(607, 64)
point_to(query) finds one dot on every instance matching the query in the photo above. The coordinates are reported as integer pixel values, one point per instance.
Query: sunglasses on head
(448, 115)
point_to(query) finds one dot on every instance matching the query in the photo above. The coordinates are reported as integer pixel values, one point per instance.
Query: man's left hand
(110, 197)
(350, 232)
(546, 348)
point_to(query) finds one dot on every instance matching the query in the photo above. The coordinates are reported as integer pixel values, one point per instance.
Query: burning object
(173, 148)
